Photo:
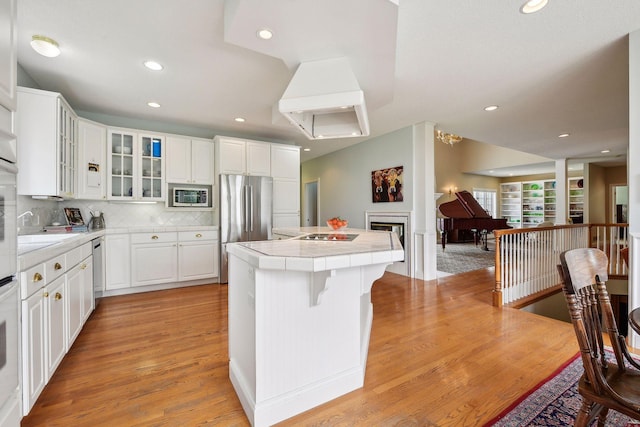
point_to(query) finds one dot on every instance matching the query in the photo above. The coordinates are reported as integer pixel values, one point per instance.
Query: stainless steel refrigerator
(245, 212)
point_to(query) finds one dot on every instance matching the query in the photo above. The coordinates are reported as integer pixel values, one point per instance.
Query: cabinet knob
(37, 277)
(154, 237)
(58, 296)
(83, 266)
(57, 266)
(198, 235)
(46, 295)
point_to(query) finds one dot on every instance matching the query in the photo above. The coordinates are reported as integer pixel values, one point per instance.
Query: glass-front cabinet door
(152, 167)
(122, 167)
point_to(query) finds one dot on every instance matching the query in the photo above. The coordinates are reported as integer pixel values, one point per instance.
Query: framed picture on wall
(386, 185)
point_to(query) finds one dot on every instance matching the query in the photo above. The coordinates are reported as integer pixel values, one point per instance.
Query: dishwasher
(98, 268)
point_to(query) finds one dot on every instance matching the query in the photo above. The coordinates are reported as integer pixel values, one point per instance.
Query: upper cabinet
(189, 160)
(242, 157)
(8, 53)
(47, 151)
(135, 165)
(92, 160)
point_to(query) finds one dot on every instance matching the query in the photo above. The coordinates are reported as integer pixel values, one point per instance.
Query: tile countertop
(29, 258)
(370, 247)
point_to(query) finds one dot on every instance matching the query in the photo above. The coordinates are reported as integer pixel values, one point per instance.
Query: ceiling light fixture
(448, 138)
(563, 135)
(264, 34)
(605, 151)
(306, 149)
(153, 104)
(533, 6)
(239, 119)
(45, 46)
(491, 108)
(153, 65)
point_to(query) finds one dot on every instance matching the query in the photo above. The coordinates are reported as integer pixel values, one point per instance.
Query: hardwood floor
(440, 355)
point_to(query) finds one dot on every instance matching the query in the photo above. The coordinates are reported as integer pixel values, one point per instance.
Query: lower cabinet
(154, 258)
(52, 318)
(144, 259)
(118, 261)
(197, 255)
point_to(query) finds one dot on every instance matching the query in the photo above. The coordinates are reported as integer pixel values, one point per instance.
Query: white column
(633, 175)
(424, 202)
(561, 192)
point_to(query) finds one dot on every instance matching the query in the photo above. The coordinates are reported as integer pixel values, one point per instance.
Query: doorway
(311, 205)
(620, 204)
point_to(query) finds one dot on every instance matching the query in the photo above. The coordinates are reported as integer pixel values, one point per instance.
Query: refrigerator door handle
(251, 208)
(245, 195)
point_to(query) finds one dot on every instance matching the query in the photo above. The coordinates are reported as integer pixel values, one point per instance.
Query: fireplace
(399, 223)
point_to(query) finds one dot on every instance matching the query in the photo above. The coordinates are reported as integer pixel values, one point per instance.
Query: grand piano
(465, 213)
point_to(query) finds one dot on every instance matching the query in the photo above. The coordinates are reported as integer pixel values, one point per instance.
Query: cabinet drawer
(74, 256)
(197, 236)
(55, 268)
(163, 237)
(31, 280)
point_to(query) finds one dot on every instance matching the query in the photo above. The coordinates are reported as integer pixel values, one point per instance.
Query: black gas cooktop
(337, 237)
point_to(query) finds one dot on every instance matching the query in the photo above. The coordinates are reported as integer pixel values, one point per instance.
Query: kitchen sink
(43, 238)
(31, 242)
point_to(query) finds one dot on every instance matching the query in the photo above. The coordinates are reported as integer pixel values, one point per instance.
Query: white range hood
(323, 100)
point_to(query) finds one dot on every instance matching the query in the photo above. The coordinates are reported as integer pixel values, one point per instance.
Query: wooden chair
(605, 384)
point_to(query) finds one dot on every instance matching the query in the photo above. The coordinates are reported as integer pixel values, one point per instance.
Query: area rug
(553, 402)
(462, 257)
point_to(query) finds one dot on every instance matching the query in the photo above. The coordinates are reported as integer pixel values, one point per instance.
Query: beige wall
(597, 195)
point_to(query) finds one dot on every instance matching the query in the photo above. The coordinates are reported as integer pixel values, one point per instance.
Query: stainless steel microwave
(191, 197)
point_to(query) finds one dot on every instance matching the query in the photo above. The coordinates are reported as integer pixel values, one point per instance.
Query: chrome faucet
(25, 213)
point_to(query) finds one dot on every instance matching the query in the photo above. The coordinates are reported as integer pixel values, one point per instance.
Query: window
(487, 199)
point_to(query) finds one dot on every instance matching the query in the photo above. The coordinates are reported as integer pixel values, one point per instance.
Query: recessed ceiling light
(153, 104)
(265, 34)
(239, 119)
(491, 108)
(153, 65)
(563, 135)
(533, 6)
(605, 151)
(306, 149)
(45, 46)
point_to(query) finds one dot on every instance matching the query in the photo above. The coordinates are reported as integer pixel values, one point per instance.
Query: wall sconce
(452, 190)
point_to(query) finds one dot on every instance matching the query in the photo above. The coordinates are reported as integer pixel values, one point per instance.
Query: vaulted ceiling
(561, 70)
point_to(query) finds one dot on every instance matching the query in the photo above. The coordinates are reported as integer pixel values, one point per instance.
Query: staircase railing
(526, 259)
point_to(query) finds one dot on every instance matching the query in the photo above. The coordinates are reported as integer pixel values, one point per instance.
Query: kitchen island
(300, 317)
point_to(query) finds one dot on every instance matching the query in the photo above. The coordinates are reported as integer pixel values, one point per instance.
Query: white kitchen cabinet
(135, 165)
(8, 53)
(151, 158)
(34, 373)
(197, 255)
(242, 157)
(47, 151)
(154, 258)
(189, 160)
(54, 308)
(118, 261)
(55, 325)
(121, 165)
(92, 161)
(285, 166)
(88, 298)
(285, 161)
(75, 302)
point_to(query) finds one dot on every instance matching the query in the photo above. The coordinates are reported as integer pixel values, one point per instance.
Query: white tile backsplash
(115, 214)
